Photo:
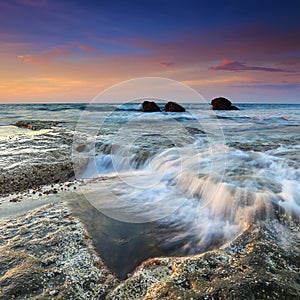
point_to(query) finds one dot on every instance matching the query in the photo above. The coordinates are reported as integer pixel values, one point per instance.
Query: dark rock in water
(150, 106)
(255, 146)
(222, 103)
(36, 124)
(193, 130)
(174, 107)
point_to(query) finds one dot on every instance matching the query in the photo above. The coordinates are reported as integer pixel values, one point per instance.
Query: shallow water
(122, 246)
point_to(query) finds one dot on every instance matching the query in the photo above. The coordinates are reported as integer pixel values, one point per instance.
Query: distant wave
(57, 107)
(130, 107)
(183, 118)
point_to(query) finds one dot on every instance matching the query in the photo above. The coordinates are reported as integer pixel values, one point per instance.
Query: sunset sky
(69, 51)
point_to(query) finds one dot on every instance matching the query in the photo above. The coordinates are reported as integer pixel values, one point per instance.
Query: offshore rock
(174, 107)
(222, 103)
(150, 106)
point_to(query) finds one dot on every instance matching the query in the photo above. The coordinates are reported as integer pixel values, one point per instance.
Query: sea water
(201, 176)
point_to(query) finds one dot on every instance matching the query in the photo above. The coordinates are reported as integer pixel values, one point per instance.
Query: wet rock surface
(46, 254)
(262, 263)
(32, 176)
(37, 124)
(30, 161)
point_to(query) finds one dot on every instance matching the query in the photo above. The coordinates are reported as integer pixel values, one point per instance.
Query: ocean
(202, 177)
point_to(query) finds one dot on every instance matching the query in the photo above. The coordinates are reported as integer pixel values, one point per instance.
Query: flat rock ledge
(30, 169)
(47, 254)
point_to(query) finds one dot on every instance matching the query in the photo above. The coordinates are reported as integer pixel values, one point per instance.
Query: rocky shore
(46, 252)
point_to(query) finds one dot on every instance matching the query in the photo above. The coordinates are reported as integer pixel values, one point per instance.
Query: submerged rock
(150, 106)
(222, 103)
(37, 124)
(174, 107)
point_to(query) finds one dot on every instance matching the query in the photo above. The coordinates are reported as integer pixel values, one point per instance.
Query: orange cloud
(79, 71)
(46, 56)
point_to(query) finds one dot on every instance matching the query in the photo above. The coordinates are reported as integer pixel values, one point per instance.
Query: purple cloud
(165, 64)
(270, 86)
(228, 65)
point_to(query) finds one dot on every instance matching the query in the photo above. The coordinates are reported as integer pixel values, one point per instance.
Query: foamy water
(204, 176)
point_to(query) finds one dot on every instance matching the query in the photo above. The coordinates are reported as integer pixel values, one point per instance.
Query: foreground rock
(150, 106)
(31, 176)
(262, 263)
(222, 103)
(33, 160)
(174, 107)
(47, 254)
